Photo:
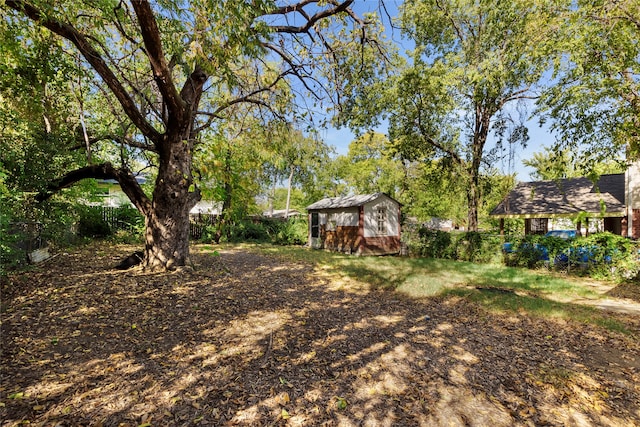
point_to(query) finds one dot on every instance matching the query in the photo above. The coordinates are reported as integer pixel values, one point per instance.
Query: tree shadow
(260, 342)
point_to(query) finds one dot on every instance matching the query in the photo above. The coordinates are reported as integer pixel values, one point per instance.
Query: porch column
(586, 224)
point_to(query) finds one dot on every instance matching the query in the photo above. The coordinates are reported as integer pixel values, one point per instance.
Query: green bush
(476, 246)
(266, 230)
(607, 255)
(524, 252)
(91, 223)
(26, 225)
(246, 230)
(434, 243)
(11, 254)
(128, 218)
(468, 246)
(601, 255)
(293, 231)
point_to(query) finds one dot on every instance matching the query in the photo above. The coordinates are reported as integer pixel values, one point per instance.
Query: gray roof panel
(344, 202)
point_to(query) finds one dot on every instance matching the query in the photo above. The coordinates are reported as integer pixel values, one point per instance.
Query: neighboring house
(113, 196)
(613, 203)
(206, 207)
(281, 213)
(367, 224)
(111, 193)
(439, 224)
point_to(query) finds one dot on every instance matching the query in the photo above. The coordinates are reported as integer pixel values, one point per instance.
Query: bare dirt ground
(247, 340)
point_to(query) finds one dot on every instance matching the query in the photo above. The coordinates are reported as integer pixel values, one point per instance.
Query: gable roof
(565, 197)
(346, 201)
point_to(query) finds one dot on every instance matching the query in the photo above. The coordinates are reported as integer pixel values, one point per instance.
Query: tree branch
(247, 98)
(81, 42)
(312, 20)
(116, 138)
(159, 64)
(124, 177)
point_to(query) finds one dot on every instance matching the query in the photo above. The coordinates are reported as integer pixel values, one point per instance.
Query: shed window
(315, 225)
(381, 221)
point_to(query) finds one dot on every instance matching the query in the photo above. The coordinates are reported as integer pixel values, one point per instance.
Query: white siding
(632, 196)
(633, 186)
(371, 220)
(322, 218)
(345, 218)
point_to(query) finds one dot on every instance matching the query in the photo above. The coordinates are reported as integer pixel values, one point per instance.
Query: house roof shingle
(565, 197)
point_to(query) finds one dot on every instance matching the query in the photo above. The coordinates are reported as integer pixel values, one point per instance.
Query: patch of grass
(494, 286)
(428, 276)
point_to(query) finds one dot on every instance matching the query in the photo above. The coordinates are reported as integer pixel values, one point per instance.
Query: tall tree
(474, 62)
(168, 70)
(594, 104)
(554, 164)
(370, 167)
(38, 108)
(295, 158)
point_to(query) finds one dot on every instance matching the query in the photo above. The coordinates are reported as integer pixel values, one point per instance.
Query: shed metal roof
(565, 197)
(346, 201)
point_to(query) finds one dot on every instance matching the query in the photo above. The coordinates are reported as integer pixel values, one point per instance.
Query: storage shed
(367, 224)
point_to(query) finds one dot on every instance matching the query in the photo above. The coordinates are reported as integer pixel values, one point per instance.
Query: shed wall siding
(635, 224)
(632, 186)
(343, 239)
(381, 245)
(370, 221)
(345, 218)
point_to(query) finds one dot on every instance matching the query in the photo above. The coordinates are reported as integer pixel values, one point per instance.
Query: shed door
(315, 225)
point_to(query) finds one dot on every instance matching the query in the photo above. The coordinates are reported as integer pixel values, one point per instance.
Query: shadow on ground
(246, 340)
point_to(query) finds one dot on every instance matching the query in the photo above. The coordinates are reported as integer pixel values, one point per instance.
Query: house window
(537, 225)
(381, 221)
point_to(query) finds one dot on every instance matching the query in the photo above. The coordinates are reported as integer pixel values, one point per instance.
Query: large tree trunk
(483, 116)
(167, 221)
(472, 212)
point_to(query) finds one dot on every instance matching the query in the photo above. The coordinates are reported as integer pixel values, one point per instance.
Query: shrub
(606, 255)
(525, 251)
(11, 254)
(292, 231)
(91, 223)
(247, 230)
(128, 218)
(476, 246)
(468, 246)
(601, 255)
(434, 243)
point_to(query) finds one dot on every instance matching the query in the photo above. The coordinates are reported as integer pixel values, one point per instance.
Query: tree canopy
(473, 63)
(155, 75)
(594, 100)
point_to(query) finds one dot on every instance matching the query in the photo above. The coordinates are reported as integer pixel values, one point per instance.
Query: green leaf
(341, 403)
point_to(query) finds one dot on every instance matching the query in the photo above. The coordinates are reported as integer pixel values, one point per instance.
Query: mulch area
(249, 340)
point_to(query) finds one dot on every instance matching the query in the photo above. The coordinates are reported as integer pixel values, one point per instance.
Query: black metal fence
(199, 222)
